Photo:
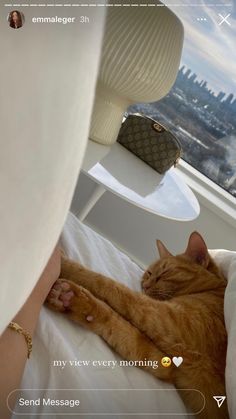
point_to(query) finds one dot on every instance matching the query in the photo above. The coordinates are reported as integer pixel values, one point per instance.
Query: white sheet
(227, 261)
(59, 339)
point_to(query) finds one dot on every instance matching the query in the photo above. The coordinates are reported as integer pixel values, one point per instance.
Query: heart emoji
(177, 360)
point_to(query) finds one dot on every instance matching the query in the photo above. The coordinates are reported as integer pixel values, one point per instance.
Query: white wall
(135, 231)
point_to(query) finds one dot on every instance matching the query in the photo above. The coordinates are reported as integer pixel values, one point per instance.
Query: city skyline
(209, 48)
(222, 96)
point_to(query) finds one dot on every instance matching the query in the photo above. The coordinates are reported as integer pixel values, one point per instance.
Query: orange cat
(180, 314)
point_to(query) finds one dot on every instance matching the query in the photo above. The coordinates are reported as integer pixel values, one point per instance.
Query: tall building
(220, 96)
(229, 99)
(193, 77)
(187, 73)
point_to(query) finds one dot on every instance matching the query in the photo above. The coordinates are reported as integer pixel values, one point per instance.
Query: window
(200, 109)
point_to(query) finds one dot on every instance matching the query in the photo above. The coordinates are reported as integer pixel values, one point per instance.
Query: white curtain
(47, 82)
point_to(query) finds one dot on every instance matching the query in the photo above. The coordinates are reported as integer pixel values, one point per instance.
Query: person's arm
(13, 347)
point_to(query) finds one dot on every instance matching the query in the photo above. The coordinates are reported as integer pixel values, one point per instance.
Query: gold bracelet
(28, 339)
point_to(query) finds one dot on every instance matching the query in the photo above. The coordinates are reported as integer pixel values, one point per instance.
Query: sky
(209, 48)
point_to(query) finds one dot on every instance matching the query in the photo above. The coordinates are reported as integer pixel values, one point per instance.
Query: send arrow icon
(219, 400)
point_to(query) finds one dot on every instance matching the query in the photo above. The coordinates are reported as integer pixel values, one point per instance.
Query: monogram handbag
(150, 141)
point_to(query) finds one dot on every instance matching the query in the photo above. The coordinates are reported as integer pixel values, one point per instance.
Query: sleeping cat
(179, 313)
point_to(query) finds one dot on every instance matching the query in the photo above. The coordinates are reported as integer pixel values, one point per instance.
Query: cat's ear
(197, 249)
(163, 252)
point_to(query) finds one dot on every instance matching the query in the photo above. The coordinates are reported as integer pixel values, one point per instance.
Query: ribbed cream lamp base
(107, 116)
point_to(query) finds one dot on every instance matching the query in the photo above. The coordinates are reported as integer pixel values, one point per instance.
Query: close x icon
(224, 19)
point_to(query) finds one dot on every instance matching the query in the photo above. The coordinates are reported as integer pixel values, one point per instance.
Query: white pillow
(227, 262)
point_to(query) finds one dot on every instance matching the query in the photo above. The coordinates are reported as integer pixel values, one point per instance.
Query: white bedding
(57, 338)
(227, 261)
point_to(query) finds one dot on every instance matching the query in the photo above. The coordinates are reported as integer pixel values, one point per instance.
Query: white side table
(117, 170)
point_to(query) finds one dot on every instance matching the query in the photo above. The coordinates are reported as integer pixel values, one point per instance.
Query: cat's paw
(60, 295)
(66, 296)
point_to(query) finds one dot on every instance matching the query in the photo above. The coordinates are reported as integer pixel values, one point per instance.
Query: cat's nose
(146, 286)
